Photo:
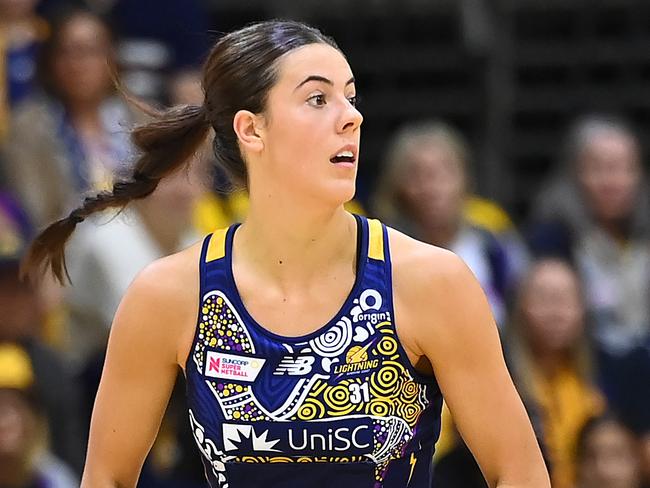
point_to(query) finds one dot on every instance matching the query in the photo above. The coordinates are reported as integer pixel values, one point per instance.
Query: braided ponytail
(166, 144)
(238, 74)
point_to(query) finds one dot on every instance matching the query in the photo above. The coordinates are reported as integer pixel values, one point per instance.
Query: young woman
(77, 119)
(316, 344)
(551, 360)
(608, 455)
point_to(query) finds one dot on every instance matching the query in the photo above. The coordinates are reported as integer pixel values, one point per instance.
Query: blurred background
(514, 132)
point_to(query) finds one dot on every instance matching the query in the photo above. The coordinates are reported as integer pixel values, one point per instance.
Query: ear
(247, 126)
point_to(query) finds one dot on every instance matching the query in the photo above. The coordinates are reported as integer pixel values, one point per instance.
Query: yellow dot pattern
(219, 327)
(390, 392)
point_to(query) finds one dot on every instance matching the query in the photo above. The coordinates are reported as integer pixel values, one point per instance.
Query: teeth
(345, 154)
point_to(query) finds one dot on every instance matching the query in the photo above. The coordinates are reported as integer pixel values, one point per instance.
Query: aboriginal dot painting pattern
(395, 400)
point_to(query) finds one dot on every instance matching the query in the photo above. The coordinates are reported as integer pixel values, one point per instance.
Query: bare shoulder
(162, 302)
(170, 277)
(432, 288)
(418, 266)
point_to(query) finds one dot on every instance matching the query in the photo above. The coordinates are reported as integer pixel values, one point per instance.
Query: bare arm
(139, 374)
(455, 331)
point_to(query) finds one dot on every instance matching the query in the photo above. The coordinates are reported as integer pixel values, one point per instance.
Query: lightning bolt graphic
(356, 357)
(412, 462)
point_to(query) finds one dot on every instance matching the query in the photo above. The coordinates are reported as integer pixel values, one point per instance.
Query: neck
(616, 229)
(291, 245)
(84, 113)
(14, 473)
(550, 362)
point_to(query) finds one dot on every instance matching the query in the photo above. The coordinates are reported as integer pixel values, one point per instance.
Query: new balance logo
(295, 365)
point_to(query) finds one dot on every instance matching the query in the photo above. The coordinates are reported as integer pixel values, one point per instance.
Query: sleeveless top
(339, 407)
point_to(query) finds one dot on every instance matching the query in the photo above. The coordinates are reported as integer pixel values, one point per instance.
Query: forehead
(82, 28)
(611, 141)
(552, 273)
(313, 59)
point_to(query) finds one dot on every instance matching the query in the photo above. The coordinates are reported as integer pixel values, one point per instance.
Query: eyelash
(354, 100)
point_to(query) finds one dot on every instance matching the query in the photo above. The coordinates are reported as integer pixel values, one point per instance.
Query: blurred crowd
(569, 285)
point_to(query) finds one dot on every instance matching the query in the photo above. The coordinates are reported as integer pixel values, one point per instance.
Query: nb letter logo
(295, 366)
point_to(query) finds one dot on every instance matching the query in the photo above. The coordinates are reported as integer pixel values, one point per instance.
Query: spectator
(20, 327)
(424, 191)
(21, 34)
(633, 405)
(105, 256)
(607, 456)
(597, 212)
(74, 136)
(24, 460)
(104, 259)
(551, 361)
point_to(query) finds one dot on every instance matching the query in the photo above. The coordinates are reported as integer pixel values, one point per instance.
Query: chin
(338, 193)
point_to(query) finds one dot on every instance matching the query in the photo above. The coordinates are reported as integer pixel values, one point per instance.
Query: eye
(317, 100)
(354, 100)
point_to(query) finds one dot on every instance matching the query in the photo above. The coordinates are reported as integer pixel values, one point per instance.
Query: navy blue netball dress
(341, 407)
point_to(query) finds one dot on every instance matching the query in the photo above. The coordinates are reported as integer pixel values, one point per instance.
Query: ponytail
(166, 144)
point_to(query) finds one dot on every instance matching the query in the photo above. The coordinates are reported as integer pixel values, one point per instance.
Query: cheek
(295, 145)
(60, 70)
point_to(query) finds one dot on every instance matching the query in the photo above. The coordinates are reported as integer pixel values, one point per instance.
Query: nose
(351, 119)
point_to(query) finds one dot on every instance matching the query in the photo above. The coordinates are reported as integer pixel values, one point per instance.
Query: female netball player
(317, 345)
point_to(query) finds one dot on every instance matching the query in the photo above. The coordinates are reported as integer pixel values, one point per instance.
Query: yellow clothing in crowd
(487, 214)
(566, 403)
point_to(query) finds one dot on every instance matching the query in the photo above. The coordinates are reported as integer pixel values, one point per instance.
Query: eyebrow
(321, 79)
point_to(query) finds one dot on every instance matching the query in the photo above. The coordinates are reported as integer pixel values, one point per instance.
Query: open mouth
(343, 157)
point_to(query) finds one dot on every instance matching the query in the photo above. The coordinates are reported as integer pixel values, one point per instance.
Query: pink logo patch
(231, 366)
(214, 364)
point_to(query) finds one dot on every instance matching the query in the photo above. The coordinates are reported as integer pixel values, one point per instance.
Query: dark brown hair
(238, 74)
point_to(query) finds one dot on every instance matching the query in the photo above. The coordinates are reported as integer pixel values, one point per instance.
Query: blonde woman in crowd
(551, 360)
(426, 190)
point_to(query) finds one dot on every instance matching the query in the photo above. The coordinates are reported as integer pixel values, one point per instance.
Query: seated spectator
(608, 456)
(632, 386)
(74, 136)
(107, 252)
(21, 323)
(424, 192)
(597, 213)
(551, 362)
(105, 255)
(21, 35)
(24, 459)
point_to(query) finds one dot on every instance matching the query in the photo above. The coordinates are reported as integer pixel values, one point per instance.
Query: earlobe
(245, 125)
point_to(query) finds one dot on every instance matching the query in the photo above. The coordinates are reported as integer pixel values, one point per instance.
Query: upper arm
(139, 374)
(457, 333)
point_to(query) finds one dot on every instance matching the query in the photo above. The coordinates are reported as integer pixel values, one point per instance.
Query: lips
(346, 154)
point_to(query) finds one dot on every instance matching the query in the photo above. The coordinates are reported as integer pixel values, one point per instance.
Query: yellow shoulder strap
(217, 245)
(375, 240)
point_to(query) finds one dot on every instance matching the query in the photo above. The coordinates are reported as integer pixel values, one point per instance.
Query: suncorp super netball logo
(232, 367)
